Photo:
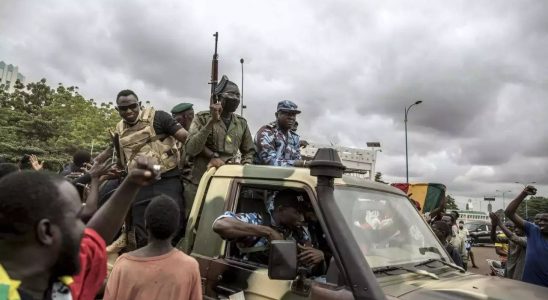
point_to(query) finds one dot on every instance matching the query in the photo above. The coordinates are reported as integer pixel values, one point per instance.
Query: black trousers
(171, 187)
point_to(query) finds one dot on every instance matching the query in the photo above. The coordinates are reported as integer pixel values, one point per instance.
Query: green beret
(181, 107)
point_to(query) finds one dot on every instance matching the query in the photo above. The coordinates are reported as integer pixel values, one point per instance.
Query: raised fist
(530, 190)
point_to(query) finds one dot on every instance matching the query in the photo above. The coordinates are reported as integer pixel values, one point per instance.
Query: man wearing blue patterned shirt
(276, 143)
(252, 232)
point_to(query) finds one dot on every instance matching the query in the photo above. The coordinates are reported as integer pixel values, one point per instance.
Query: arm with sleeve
(247, 148)
(197, 139)
(266, 147)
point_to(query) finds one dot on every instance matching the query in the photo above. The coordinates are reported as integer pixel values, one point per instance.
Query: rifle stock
(214, 72)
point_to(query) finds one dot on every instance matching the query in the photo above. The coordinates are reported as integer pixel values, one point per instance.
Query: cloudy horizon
(352, 67)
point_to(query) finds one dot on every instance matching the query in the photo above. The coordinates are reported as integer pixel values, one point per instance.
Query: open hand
(35, 164)
(310, 256)
(98, 170)
(215, 162)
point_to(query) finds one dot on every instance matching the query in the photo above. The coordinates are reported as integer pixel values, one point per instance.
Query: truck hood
(461, 286)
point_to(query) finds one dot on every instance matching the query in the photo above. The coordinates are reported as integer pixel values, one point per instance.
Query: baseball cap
(288, 106)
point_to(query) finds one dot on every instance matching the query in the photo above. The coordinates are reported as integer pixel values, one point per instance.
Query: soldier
(253, 231)
(278, 143)
(184, 114)
(147, 132)
(218, 134)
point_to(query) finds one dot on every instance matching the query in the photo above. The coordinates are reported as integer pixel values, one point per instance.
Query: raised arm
(247, 148)
(200, 130)
(513, 206)
(96, 171)
(504, 229)
(110, 217)
(494, 223)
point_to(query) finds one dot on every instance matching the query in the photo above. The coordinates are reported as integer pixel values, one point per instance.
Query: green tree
(451, 204)
(52, 123)
(535, 205)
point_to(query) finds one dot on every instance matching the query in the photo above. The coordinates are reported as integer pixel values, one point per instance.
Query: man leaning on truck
(252, 231)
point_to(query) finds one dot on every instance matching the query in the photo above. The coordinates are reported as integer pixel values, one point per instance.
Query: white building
(9, 75)
(358, 162)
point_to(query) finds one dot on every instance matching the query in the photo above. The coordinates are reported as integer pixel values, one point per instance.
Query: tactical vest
(141, 140)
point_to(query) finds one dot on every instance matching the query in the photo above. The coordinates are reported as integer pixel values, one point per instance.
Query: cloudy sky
(352, 66)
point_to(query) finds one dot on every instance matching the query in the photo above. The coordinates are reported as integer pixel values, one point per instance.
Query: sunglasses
(126, 107)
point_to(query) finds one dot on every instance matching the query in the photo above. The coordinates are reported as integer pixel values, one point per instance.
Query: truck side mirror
(282, 262)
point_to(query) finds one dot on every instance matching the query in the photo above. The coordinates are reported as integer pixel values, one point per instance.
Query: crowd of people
(522, 246)
(131, 199)
(134, 199)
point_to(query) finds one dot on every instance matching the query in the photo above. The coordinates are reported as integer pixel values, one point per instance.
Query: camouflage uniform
(276, 147)
(258, 246)
(222, 140)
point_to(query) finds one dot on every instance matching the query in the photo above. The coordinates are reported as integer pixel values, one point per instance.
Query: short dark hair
(162, 217)
(6, 168)
(124, 93)
(81, 157)
(452, 216)
(26, 198)
(443, 227)
(287, 198)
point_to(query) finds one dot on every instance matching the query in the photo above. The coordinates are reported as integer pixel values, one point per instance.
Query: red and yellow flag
(427, 195)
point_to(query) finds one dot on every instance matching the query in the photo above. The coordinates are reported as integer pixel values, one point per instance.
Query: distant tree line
(52, 123)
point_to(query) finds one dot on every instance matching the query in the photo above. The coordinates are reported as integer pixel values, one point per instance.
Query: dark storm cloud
(352, 67)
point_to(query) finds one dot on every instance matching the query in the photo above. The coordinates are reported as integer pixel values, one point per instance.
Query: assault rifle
(214, 72)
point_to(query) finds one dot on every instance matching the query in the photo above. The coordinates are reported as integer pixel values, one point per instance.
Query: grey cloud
(479, 67)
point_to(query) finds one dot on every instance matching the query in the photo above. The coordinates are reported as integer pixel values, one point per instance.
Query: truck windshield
(387, 228)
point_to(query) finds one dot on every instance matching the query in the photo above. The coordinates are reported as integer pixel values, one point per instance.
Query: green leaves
(52, 123)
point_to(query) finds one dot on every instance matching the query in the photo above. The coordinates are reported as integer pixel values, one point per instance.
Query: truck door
(202, 243)
(237, 269)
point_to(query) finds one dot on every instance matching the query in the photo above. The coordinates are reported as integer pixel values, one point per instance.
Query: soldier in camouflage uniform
(153, 134)
(217, 135)
(278, 143)
(253, 231)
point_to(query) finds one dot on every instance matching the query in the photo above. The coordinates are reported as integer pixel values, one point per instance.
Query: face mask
(461, 227)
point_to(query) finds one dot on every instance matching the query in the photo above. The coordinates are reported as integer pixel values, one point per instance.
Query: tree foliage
(535, 205)
(451, 204)
(52, 123)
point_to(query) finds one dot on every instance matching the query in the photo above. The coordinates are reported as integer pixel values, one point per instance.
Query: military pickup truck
(375, 243)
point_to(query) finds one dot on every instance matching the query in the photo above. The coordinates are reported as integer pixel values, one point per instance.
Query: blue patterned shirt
(276, 147)
(300, 235)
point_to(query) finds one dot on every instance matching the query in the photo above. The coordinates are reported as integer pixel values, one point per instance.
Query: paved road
(480, 255)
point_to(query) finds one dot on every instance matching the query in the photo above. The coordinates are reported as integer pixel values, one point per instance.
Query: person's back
(174, 275)
(156, 271)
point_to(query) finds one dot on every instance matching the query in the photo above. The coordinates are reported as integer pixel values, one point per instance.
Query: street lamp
(406, 155)
(242, 95)
(526, 208)
(503, 203)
